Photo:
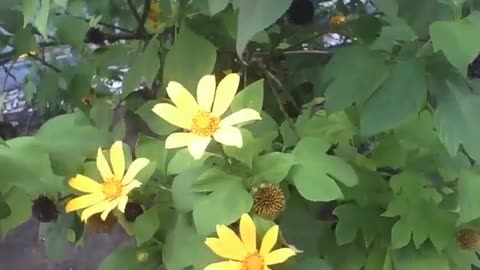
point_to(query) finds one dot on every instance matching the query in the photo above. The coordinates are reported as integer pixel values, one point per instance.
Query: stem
(45, 63)
(227, 159)
(133, 10)
(146, 9)
(60, 199)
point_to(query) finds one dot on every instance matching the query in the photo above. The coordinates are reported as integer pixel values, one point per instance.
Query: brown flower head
(468, 239)
(97, 225)
(44, 209)
(268, 200)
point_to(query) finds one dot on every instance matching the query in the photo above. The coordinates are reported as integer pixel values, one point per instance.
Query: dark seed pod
(132, 211)
(268, 200)
(97, 225)
(473, 70)
(95, 36)
(44, 209)
(468, 239)
(301, 12)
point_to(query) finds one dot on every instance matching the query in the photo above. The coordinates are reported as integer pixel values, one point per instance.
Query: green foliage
(372, 139)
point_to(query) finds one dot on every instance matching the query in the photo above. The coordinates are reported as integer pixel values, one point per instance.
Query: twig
(133, 10)
(308, 52)
(29, 122)
(277, 97)
(146, 10)
(111, 26)
(280, 85)
(9, 73)
(6, 78)
(45, 63)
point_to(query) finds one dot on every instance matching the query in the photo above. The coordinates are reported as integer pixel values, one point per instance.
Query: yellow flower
(242, 252)
(202, 117)
(112, 193)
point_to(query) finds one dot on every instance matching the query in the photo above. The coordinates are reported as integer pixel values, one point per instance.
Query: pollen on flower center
(253, 262)
(204, 124)
(112, 189)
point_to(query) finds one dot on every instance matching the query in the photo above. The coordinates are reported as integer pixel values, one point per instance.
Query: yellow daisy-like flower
(242, 252)
(202, 119)
(112, 193)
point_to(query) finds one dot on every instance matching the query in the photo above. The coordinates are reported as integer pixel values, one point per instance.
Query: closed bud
(44, 209)
(132, 211)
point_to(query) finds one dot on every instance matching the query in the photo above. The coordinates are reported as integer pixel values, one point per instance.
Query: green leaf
(182, 160)
(144, 68)
(68, 149)
(309, 147)
(56, 236)
(468, 190)
(455, 119)
(123, 258)
(246, 153)
(312, 263)
(217, 5)
(223, 206)
(410, 258)
(146, 225)
(154, 150)
(449, 37)
(29, 91)
(183, 196)
(21, 203)
(41, 19)
(420, 216)
(421, 14)
(250, 97)
(5, 210)
(186, 65)
(102, 114)
(29, 9)
(71, 30)
(354, 82)
(390, 153)
(400, 97)
(256, 15)
(154, 122)
(213, 179)
(353, 219)
(24, 41)
(314, 186)
(184, 248)
(379, 259)
(273, 167)
(389, 7)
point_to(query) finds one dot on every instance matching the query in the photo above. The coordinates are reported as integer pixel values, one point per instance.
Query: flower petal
(134, 168)
(223, 249)
(122, 203)
(117, 158)
(230, 239)
(241, 116)
(182, 99)
(173, 115)
(83, 183)
(248, 232)
(178, 139)
(227, 265)
(269, 240)
(109, 209)
(197, 146)
(102, 165)
(132, 185)
(92, 210)
(84, 201)
(206, 92)
(226, 90)
(229, 136)
(279, 256)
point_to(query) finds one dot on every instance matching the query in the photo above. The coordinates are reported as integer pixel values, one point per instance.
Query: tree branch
(146, 10)
(134, 11)
(45, 63)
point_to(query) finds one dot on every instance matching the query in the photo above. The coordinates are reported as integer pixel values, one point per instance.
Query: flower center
(253, 262)
(204, 124)
(112, 189)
